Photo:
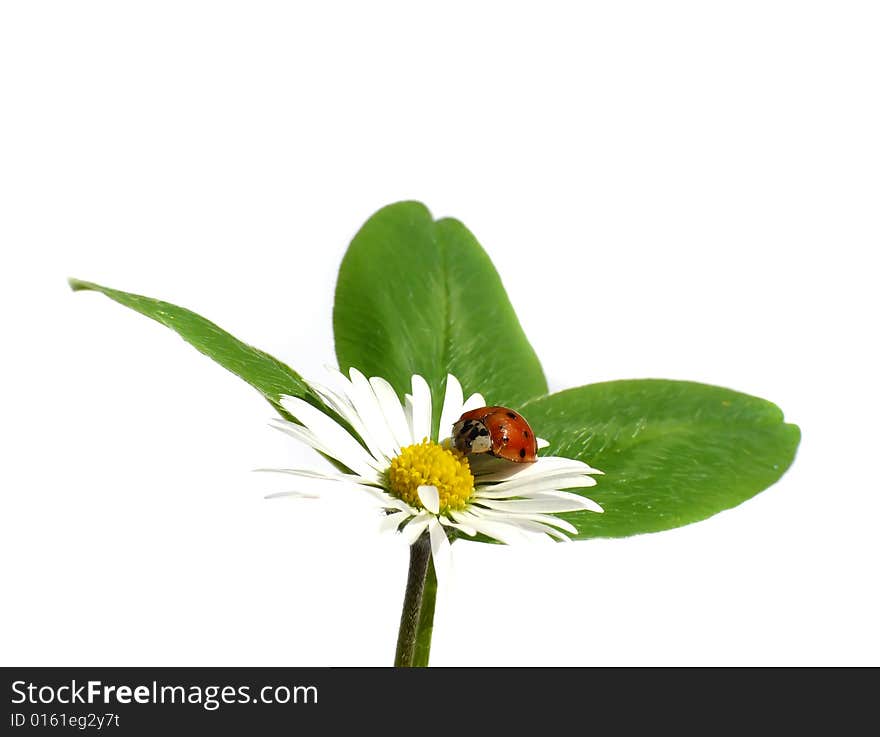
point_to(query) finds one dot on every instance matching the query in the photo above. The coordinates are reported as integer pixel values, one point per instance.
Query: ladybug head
(471, 436)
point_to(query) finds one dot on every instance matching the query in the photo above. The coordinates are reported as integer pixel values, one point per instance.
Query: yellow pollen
(430, 464)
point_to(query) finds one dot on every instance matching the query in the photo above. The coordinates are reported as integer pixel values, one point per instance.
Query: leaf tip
(78, 285)
(794, 432)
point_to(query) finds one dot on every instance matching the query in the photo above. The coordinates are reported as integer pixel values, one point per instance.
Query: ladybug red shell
(499, 431)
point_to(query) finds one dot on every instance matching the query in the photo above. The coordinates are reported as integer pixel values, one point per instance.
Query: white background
(681, 190)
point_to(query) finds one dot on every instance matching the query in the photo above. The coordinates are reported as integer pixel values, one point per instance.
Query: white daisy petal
(348, 477)
(534, 486)
(408, 414)
(540, 529)
(430, 498)
(474, 401)
(524, 481)
(421, 409)
(500, 531)
(542, 468)
(415, 527)
(391, 522)
(550, 505)
(561, 482)
(317, 485)
(345, 409)
(452, 404)
(337, 402)
(393, 411)
(294, 494)
(589, 504)
(572, 496)
(548, 519)
(298, 432)
(307, 437)
(339, 444)
(527, 522)
(542, 443)
(387, 501)
(339, 377)
(370, 411)
(466, 529)
(440, 550)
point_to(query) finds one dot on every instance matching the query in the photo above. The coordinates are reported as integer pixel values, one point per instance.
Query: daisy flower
(413, 473)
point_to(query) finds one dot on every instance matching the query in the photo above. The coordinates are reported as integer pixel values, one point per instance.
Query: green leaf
(266, 374)
(673, 452)
(419, 296)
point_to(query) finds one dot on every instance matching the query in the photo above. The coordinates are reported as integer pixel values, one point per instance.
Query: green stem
(426, 619)
(417, 617)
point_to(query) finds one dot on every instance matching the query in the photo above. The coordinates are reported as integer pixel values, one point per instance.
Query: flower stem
(426, 619)
(417, 617)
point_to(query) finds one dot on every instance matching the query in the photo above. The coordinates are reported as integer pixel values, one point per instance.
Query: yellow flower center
(430, 464)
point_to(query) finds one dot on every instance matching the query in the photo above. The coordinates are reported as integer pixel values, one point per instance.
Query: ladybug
(499, 431)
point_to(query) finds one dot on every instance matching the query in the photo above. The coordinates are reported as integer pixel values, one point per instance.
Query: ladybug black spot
(522, 452)
(525, 433)
(511, 415)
